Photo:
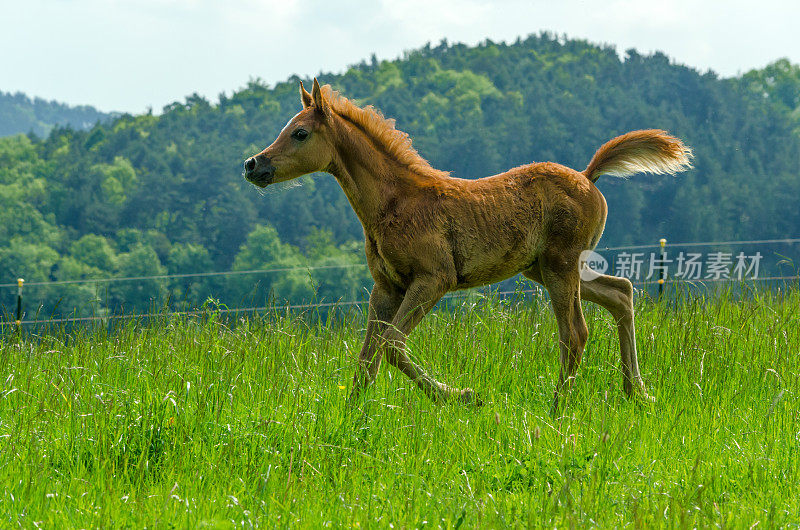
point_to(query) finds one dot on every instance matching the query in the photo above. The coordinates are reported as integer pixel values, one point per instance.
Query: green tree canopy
(146, 194)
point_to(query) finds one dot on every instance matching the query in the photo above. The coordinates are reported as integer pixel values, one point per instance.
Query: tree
(94, 251)
(139, 295)
(194, 291)
(135, 193)
(288, 280)
(339, 272)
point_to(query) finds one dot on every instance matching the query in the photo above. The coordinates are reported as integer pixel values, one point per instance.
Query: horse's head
(302, 147)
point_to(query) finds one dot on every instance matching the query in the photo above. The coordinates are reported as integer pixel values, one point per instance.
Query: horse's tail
(649, 151)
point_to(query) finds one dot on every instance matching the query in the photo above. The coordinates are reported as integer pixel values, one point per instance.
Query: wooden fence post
(663, 260)
(20, 281)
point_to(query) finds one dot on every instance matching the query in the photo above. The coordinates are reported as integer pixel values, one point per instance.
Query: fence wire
(350, 303)
(226, 310)
(351, 265)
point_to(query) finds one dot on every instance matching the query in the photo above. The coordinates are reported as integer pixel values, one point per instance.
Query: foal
(428, 233)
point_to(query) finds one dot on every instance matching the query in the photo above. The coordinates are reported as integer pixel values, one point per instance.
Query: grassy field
(199, 423)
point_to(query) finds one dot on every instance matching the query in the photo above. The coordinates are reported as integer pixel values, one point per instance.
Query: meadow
(204, 422)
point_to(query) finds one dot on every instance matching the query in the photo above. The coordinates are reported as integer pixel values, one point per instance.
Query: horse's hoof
(469, 397)
(641, 397)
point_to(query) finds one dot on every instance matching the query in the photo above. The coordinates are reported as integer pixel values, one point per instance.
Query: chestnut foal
(428, 233)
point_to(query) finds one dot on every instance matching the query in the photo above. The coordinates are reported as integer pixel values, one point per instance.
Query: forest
(158, 194)
(21, 114)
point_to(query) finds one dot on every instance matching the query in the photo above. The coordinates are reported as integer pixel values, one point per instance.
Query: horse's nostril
(250, 164)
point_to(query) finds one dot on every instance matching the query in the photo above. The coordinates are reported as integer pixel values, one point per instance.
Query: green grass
(198, 423)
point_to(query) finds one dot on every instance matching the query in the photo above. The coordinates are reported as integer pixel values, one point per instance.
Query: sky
(128, 56)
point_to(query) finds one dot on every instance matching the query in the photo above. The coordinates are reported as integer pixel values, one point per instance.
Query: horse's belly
(491, 268)
(495, 242)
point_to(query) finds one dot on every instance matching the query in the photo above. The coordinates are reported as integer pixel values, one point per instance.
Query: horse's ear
(319, 101)
(305, 97)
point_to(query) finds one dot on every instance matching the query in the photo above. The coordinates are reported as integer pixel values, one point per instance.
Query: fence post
(20, 281)
(663, 278)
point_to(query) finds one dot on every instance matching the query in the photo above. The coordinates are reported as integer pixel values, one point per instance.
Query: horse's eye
(300, 134)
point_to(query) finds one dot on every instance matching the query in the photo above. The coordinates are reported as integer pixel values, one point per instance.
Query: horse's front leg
(383, 305)
(420, 297)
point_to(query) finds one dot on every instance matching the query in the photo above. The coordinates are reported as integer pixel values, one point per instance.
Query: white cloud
(128, 55)
(422, 19)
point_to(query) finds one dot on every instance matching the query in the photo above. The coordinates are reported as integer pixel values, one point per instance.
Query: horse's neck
(366, 174)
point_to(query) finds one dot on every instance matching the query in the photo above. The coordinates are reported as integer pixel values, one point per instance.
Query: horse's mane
(382, 131)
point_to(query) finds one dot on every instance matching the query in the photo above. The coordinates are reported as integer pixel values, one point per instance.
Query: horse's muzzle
(259, 170)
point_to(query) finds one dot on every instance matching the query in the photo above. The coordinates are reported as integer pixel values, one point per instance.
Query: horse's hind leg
(616, 295)
(563, 284)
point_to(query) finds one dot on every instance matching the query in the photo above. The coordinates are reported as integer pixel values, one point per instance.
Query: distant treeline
(21, 114)
(149, 194)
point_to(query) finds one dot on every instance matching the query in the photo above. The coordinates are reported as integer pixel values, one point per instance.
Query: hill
(155, 194)
(21, 114)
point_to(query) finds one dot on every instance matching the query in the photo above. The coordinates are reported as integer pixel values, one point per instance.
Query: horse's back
(502, 224)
